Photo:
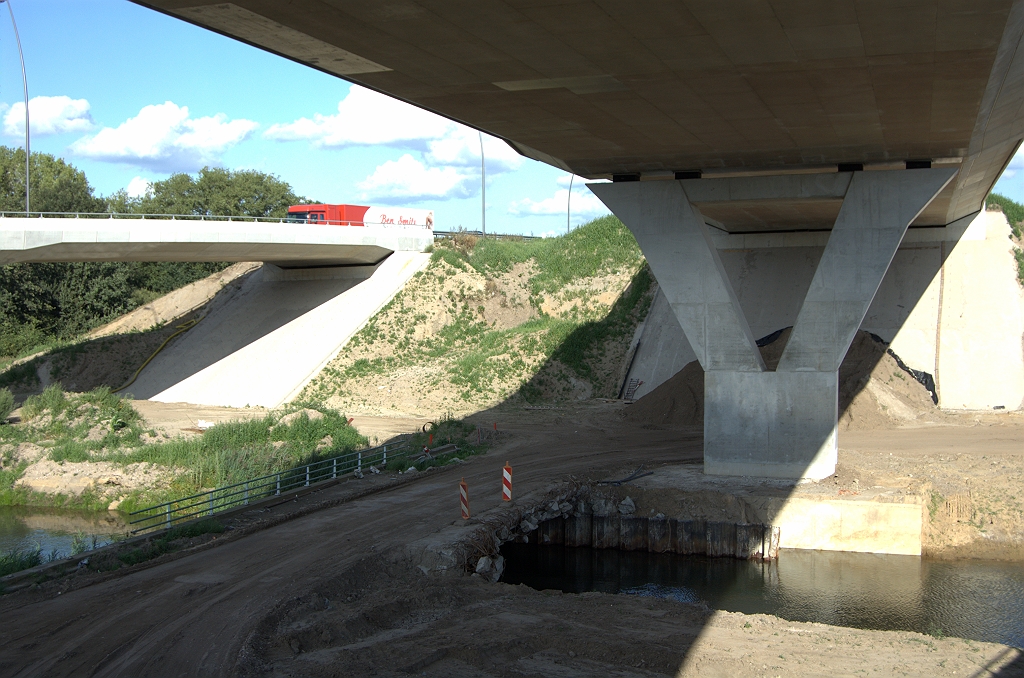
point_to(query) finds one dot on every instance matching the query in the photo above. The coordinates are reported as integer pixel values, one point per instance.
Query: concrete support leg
(772, 424)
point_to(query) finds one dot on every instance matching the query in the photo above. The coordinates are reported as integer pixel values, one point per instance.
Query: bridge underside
(38, 240)
(858, 118)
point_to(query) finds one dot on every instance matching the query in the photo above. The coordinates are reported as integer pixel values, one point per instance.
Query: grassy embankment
(1014, 212)
(99, 434)
(488, 320)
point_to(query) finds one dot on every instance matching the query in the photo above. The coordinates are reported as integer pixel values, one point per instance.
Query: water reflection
(26, 528)
(980, 600)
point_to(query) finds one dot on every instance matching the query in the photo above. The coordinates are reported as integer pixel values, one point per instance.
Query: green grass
(446, 430)
(226, 453)
(599, 246)
(166, 542)
(6, 404)
(488, 362)
(236, 451)
(18, 560)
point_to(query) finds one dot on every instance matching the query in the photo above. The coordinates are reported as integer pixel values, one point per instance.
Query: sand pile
(874, 390)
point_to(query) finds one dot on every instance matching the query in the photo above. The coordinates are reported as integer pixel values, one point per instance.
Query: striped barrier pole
(464, 497)
(506, 482)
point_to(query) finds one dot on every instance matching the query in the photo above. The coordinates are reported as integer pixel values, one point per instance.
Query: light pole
(568, 203)
(483, 187)
(24, 83)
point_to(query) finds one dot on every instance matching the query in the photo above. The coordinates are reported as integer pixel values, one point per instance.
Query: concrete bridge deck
(284, 244)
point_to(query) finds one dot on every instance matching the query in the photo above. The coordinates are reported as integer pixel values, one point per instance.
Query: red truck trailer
(360, 215)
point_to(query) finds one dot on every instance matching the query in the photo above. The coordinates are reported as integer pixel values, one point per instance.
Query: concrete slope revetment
(261, 343)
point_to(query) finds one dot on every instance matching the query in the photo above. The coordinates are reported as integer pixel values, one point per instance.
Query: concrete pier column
(779, 424)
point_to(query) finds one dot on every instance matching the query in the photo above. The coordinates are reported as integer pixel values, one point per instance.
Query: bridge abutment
(772, 423)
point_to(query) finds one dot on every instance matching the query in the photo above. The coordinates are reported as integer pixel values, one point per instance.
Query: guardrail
(180, 217)
(479, 234)
(242, 219)
(219, 499)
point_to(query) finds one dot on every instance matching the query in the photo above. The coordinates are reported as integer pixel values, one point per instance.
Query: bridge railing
(178, 217)
(209, 502)
(241, 219)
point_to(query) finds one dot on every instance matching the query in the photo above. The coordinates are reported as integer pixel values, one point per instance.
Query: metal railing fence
(243, 219)
(180, 217)
(219, 499)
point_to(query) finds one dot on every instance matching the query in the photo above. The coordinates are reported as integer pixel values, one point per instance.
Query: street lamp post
(24, 83)
(568, 204)
(483, 187)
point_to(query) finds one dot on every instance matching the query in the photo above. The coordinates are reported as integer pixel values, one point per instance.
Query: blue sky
(129, 95)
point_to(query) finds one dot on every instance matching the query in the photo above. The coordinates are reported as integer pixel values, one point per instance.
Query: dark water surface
(980, 600)
(54, 530)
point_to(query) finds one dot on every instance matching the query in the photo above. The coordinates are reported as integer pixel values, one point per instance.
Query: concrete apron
(779, 424)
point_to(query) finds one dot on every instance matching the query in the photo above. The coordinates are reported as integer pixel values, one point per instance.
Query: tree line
(44, 303)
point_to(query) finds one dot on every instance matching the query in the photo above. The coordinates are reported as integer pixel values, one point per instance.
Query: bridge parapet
(66, 237)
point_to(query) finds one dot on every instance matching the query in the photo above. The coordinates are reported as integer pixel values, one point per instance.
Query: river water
(54, 530)
(980, 600)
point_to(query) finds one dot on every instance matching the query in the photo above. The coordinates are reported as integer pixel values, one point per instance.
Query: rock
(627, 507)
(491, 568)
(278, 444)
(411, 469)
(374, 470)
(113, 505)
(96, 433)
(326, 443)
(289, 419)
(358, 474)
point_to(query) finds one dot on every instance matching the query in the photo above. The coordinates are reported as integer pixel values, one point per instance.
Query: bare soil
(350, 589)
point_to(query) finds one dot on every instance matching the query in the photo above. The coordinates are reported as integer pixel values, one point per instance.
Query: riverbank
(94, 451)
(352, 588)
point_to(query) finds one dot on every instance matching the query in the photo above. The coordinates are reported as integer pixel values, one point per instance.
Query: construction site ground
(340, 591)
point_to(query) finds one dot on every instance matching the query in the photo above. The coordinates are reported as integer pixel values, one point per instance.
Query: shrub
(6, 404)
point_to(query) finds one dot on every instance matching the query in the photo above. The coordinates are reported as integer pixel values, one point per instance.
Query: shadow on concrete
(237, 317)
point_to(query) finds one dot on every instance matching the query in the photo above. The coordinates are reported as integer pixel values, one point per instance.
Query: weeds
(6, 404)
(19, 559)
(169, 541)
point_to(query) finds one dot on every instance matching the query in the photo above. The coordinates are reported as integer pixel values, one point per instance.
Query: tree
(214, 192)
(56, 185)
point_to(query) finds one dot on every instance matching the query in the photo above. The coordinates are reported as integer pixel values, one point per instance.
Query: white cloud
(461, 148)
(408, 179)
(366, 118)
(138, 187)
(585, 206)
(165, 138)
(449, 153)
(49, 115)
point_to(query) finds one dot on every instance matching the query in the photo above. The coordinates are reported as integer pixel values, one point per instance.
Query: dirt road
(338, 592)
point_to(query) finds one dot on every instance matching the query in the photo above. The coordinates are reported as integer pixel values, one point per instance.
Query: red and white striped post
(506, 482)
(464, 496)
